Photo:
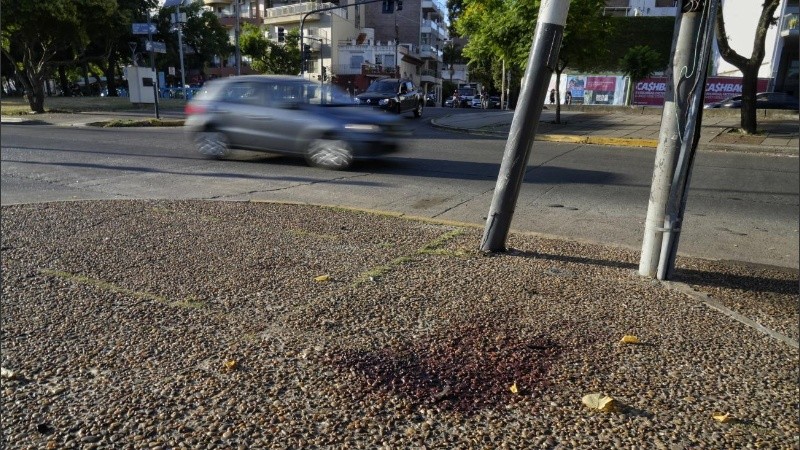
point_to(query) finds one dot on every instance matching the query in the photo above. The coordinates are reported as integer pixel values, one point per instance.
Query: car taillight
(192, 109)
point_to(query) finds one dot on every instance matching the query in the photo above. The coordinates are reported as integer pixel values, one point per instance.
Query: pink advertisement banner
(650, 91)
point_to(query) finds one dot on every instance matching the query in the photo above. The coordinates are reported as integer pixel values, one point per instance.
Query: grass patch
(17, 106)
(139, 123)
(190, 303)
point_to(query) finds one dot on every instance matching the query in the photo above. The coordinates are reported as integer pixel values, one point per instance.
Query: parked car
(287, 115)
(430, 100)
(764, 100)
(494, 102)
(394, 95)
(476, 102)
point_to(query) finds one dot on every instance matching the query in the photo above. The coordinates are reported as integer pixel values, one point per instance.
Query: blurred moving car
(393, 95)
(764, 100)
(287, 115)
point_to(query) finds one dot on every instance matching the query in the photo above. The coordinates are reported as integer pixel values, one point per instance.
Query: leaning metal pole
(541, 64)
(676, 203)
(673, 117)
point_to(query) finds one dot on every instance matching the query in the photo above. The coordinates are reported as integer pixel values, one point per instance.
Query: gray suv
(287, 115)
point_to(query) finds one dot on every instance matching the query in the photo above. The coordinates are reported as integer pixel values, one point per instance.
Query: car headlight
(363, 127)
(384, 101)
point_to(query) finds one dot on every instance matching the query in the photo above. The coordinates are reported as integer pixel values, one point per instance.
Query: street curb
(632, 142)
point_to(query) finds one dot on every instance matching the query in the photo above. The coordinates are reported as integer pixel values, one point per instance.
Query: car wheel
(330, 154)
(212, 143)
(418, 110)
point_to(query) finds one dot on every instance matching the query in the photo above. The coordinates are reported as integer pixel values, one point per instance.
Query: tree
(203, 37)
(36, 33)
(748, 66)
(638, 63)
(502, 31)
(268, 56)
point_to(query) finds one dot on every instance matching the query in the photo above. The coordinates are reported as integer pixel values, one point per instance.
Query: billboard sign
(651, 91)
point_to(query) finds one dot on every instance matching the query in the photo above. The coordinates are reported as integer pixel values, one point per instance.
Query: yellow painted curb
(598, 140)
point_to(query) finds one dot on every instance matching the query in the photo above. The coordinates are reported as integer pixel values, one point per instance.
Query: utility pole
(152, 64)
(680, 131)
(541, 64)
(237, 7)
(179, 21)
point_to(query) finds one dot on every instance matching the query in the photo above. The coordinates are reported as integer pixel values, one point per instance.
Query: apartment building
(343, 47)
(420, 23)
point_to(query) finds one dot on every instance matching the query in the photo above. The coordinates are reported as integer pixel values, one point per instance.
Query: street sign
(141, 28)
(155, 46)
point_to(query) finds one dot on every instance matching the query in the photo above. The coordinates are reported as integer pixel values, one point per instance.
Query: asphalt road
(741, 207)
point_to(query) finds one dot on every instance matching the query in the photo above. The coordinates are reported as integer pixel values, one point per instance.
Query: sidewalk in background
(779, 133)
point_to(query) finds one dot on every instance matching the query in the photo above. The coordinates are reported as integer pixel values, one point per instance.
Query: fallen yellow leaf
(600, 402)
(628, 339)
(514, 389)
(231, 364)
(722, 418)
(322, 278)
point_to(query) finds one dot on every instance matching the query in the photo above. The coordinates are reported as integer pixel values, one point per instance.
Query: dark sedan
(764, 100)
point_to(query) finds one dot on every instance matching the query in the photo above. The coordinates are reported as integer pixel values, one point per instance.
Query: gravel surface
(158, 324)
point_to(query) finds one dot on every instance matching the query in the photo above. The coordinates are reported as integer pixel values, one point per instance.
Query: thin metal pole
(153, 65)
(237, 8)
(669, 141)
(541, 64)
(180, 49)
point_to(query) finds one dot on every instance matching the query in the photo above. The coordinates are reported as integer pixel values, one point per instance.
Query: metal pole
(676, 205)
(503, 87)
(153, 65)
(541, 64)
(180, 49)
(237, 7)
(669, 141)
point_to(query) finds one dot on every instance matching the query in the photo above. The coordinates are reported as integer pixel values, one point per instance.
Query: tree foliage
(268, 56)
(36, 35)
(203, 35)
(748, 66)
(639, 62)
(502, 30)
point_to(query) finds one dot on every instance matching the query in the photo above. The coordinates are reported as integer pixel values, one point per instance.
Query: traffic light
(306, 56)
(399, 5)
(281, 34)
(388, 6)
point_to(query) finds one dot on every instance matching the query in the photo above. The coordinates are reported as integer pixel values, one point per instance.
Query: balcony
(294, 13)
(429, 76)
(430, 52)
(434, 6)
(431, 27)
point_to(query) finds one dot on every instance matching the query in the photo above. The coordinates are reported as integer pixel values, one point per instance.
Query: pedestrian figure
(552, 96)
(568, 98)
(456, 100)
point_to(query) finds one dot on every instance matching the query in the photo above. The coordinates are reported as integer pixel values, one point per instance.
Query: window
(356, 61)
(244, 93)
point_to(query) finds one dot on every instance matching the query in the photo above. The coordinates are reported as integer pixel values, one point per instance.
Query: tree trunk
(110, 74)
(749, 88)
(62, 79)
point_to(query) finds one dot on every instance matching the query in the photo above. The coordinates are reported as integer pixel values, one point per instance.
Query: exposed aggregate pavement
(191, 324)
